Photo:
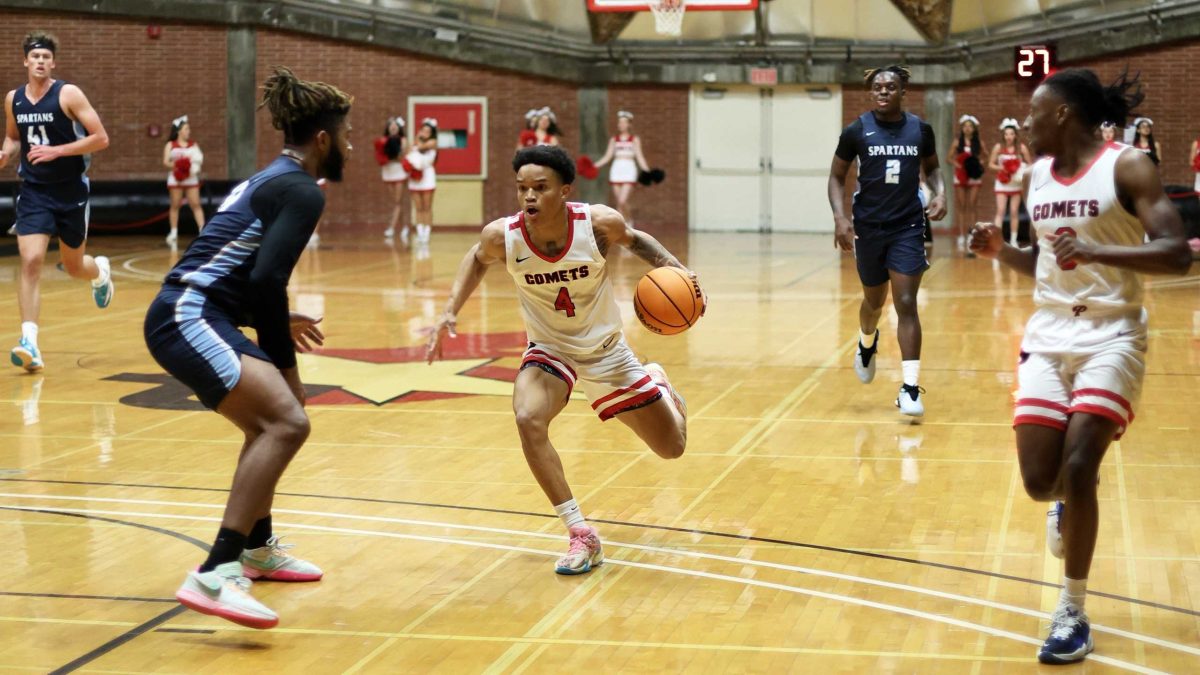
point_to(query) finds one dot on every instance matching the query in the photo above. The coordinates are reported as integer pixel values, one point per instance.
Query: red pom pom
(413, 172)
(1012, 165)
(380, 156)
(960, 174)
(1196, 162)
(1004, 176)
(586, 167)
(183, 169)
(527, 138)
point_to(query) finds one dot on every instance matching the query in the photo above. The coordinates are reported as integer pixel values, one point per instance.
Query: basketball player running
(556, 252)
(58, 130)
(1083, 356)
(236, 274)
(893, 148)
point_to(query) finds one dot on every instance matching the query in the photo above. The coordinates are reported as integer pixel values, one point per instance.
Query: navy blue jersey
(889, 166)
(46, 123)
(245, 254)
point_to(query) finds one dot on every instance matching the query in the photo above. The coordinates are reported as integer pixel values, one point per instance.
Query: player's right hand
(445, 325)
(843, 234)
(986, 240)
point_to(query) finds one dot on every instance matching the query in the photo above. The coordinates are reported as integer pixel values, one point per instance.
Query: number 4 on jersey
(563, 302)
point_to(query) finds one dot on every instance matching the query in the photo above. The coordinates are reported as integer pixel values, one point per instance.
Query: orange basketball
(668, 301)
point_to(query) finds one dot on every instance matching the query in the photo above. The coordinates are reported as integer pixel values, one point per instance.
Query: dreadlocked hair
(300, 108)
(1093, 102)
(900, 71)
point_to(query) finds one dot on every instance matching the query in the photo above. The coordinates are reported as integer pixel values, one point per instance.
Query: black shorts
(197, 342)
(883, 248)
(54, 209)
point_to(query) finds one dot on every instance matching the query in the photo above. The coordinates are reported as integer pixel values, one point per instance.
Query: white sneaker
(961, 242)
(102, 288)
(172, 238)
(909, 400)
(314, 241)
(224, 592)
(583, 554)
(1054, 540)
(864, 360)
(389, 233)
(273, 563)
(404, 237)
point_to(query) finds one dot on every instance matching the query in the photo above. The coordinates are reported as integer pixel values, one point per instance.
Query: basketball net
(668, 16)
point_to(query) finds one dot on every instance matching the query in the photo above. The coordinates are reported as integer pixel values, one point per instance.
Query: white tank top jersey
(567, 300)
(1087, 205)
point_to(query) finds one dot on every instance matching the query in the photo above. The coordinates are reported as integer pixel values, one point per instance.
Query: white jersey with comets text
(1087, 206)
(567, 300)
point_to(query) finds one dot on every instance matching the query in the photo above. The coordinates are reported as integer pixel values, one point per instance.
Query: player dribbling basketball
(556, 252)
(1083, 356)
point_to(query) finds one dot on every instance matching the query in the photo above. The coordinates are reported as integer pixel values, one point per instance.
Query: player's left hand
(305, 332)
(937, 208)
(40, 154)
(1069, 251)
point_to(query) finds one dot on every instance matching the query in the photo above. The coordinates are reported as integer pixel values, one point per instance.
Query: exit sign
(764, 76)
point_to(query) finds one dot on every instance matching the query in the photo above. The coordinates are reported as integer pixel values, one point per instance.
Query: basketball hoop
(668, 16)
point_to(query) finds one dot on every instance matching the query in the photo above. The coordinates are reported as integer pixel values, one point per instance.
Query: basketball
(668, 301)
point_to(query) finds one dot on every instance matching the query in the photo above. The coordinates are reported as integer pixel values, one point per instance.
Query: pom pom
(644, 178)
(1196, 162)
(528, 138)
(657, 176)
(413, 172)
(380, 156)
(1012, 165)
(1004, 177)
(585, 167)
(183, 169)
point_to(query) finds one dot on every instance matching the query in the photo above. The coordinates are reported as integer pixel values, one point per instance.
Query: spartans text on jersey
(35, 118)
(893, 151)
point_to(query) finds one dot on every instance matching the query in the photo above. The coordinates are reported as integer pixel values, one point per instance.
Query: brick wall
(131, 81)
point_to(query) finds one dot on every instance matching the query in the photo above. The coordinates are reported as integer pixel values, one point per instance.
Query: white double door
(760, 157)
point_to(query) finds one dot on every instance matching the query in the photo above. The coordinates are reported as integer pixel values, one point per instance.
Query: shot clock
(1033, 63)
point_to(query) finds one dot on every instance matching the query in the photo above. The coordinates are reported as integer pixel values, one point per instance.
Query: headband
(178, 122)
(1009, 122)
(547, 111)
(39, 44)
(968, 118)
(398, 120)
(1139, 120)
(531, 113)
(431, 121)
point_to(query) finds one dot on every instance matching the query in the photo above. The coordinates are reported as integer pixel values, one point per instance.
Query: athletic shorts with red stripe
(1105, 379)
(613, 380)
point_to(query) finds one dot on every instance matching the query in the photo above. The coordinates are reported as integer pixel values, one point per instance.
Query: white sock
(867, 341)
(1074, 593)
(29, 332)
(911, 369)
(570, 513)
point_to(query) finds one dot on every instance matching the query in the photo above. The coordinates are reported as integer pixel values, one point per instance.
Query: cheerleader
(528, 136)
(968, 158)
(1144, 140)
(390, 149)
(1009, 158)
(625, 153)
(1108, 132)
(546, 127)
(1196, 164)
(422, 180)
(183, 157)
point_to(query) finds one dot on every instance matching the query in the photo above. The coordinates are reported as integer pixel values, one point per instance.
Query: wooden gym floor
(807, 528)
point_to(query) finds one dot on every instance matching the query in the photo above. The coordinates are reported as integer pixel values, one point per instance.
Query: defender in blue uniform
(893, 148)
(57, 131)
(236, 274)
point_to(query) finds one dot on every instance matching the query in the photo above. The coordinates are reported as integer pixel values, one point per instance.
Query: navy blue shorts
(55, 209)
(197, 342)
(898, 248)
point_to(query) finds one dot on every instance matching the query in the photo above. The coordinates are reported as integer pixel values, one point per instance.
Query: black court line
(666, 528)
(120, 640)
(136, 630)
(124, 598)
(197, 631)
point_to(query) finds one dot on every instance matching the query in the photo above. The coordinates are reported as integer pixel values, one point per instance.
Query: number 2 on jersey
(563, 302)
(892, 173)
